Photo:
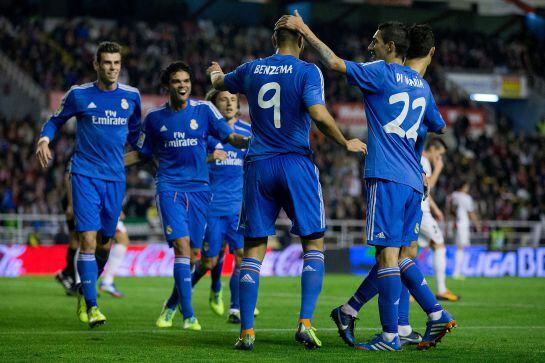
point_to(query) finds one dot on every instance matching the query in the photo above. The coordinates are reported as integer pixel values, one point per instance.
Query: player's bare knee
(409, 252)
(387, 257)
(313, 242)
(239, 253)
(88, 242)
(181, 247)
(209, 262)
(255, 248)
(436, 246)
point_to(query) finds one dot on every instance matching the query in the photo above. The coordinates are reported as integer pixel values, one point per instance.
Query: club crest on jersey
(193, 124)
(124, 104)
(141, 140)
(417, 228)
(169, 229)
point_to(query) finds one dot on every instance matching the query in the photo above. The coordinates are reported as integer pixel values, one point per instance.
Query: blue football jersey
(279, 89)
(397, 100)
(179, 140)
(106, 120)
(421, 141)
(226, 175)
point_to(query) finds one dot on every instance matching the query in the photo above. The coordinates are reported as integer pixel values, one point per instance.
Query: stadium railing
(51, 229)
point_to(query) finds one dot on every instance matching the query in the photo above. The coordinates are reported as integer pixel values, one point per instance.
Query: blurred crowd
(507, 174)
(62, 54)
(507, 170)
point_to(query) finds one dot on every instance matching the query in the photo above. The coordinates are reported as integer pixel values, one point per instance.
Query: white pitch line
(264, 330)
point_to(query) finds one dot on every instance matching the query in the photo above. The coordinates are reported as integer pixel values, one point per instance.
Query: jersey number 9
(274, 101)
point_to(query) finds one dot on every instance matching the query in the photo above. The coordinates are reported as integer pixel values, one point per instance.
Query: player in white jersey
(117, 253)
(430, 233)
(463, 207)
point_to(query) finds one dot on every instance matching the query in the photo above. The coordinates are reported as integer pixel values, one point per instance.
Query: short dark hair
(107, 47)
(172, 68)
(212, 96)
(461, 182)
(396, 32)
(436, 142)
(421, 39)
(284, 36)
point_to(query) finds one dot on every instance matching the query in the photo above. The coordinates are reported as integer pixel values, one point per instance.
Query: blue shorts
(393, 213)
(218, 230)
(288, 181)
(97, 204)
(183, 214)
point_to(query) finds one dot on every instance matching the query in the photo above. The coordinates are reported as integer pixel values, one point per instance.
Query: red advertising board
(349, 113)
(154, 259)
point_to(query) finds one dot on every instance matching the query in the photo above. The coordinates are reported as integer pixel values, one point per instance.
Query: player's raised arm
(216, 76)
(327, 56)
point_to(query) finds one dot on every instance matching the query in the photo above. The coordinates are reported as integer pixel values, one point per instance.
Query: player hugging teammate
(209, 169)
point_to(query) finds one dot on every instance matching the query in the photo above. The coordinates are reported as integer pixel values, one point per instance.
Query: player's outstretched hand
(356, 146)
(219, 155)
(292, 22)
(43, 153)
(214, 67)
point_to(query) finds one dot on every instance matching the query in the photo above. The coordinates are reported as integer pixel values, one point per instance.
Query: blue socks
(197, 273)
(403, 308)
(389, 290)
(417, 285)
(366, 291)
(88, 272)
(215, 275)
(101, 257)
(182, 280)
(248, 287)
(234, 287)
(312, 278)
(174, 298)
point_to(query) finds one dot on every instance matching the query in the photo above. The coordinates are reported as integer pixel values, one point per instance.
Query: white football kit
(429, 228)
(463, 203)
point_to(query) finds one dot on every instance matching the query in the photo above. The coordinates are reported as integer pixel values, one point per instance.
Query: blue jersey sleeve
(134, 123)
(145, 140)
(66, 110)
(218, 127)
(433, 118)
(313, 92)
(369, 77)
(211, 145)
(234, 81)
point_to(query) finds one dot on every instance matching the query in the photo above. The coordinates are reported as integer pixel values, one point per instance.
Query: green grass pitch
(499, 320)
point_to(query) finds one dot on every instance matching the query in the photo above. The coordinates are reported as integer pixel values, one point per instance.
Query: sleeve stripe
(126, 87)
(214, 110)
(321, 82)
(369, 63)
